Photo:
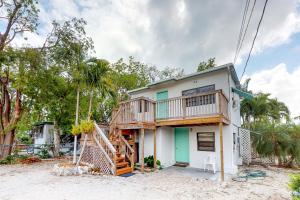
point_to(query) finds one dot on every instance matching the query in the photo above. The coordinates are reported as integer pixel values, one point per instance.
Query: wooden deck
(201, 109)
(196, 121)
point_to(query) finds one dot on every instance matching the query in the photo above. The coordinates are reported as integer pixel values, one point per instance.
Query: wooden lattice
(93, 155)
(245, 150)
(256, 158)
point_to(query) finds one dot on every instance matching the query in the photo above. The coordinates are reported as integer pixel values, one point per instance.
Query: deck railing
(136, 110)
(146, 110)
(200, 105)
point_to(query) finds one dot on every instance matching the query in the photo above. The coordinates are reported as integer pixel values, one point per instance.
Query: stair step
(122, 164)
(124, 170)
(120, 159)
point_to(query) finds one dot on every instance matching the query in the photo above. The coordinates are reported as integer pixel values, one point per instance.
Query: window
(201, 100)
(38, 131)
(207, 88)
(140, 105)
(206, 141)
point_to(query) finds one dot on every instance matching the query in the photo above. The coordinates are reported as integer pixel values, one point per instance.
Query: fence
(31, 149)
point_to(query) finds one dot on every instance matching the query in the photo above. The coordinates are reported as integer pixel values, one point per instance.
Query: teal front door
(182, 145)
(162, 110)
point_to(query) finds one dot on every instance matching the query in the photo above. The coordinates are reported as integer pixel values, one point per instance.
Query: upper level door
(162, 107)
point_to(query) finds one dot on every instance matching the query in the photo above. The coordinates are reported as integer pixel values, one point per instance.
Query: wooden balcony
(204, 108)
(136, 113)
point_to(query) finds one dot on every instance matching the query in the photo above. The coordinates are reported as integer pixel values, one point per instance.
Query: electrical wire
(242, 27)
(244, 35)
(259, 23)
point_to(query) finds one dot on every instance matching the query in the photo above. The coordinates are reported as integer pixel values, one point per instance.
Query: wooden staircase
(122, 165)
(114, 154)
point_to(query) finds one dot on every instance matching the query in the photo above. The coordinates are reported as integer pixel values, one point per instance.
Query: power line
(244, 35)
(242, 27)
(259, 23)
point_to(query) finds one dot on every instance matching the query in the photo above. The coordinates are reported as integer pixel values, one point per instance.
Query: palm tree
(271, 139)
(97, 78)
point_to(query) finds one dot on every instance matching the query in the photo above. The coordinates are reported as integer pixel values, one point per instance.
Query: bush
(149, 161)
(76, 130)
(43, 153)
(24, 138)
(8, 160)
(294, 185)
(87, 126)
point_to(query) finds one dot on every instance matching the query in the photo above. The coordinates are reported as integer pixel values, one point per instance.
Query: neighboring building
(193, 119)
(42, 133)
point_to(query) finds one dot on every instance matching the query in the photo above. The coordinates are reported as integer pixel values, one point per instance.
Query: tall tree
(18, 17)
(210, 63)
(71, 50)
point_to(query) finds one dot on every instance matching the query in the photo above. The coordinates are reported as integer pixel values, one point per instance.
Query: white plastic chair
(210, 161)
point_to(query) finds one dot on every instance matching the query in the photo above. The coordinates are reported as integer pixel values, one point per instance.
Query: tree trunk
(56, 140)
(7, 143)
(8, 119)
(90, 105)
(76, 124)
(82, 150)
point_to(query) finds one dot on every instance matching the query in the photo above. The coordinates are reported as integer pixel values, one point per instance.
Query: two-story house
(190, 120)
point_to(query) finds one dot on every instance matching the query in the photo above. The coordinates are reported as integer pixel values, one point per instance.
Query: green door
(162, 110)
(182, 145)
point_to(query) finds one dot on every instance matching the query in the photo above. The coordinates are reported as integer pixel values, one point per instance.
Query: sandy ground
(37, 182)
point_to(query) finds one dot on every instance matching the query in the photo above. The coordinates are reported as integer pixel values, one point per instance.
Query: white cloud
(280, 83)
(178, 33)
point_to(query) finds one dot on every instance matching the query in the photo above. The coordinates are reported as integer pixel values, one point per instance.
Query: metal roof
(41, 123)
(228, 67)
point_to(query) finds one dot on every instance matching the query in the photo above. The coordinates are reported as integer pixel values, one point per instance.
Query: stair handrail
(130, 154)
(115, 116)
(104, 138)
(126, 143)
(106, 147)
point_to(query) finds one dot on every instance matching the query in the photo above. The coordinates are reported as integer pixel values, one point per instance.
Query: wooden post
(143, 110)
(115, 164)
(142, 147)
(154, 153)
(183, 107)
(221, 150)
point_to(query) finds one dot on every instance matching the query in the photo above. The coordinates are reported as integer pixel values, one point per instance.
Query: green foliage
(263, 107)
(210, 63)
(87, 126)
(135, 74)
(294, 185)
(12, 159)
(282, 140)
(149, 161)
(44, 153)
(8, 160)
(23, 138)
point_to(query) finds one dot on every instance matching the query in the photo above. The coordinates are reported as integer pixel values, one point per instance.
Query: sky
(182, 33)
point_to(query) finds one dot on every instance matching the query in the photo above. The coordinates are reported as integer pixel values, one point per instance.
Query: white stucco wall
(165, 146)
(165, 135)
(219, 78)
(47, 135)
(197, 158)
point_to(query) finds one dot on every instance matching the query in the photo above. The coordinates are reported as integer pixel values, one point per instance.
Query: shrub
(76, 130)
(87, 126)
(8, 160)
(43, 153)
(294, 185)
(149, 161)
(24, 138)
